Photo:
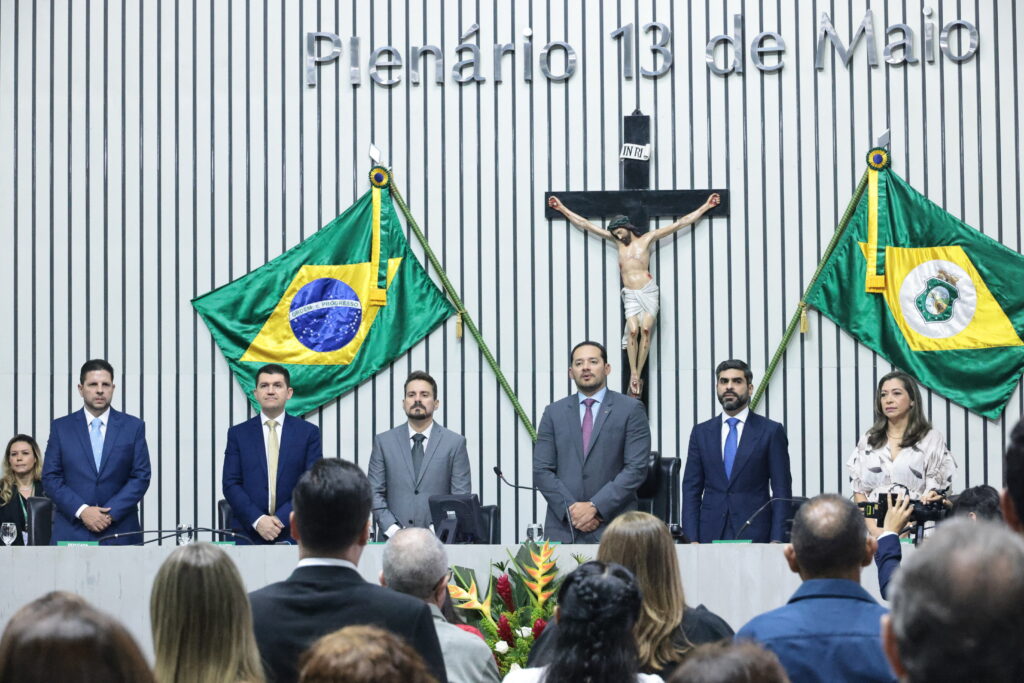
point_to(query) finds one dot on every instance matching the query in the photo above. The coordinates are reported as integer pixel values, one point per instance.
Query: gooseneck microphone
(568, 517)
(170, 533)
(763, 508)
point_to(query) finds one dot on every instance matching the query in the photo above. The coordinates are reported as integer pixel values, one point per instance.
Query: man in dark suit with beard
(330, 521)
(732, 459)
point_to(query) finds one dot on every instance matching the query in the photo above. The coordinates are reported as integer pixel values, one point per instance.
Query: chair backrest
(660, 492)
(40, 520)
(225, 519)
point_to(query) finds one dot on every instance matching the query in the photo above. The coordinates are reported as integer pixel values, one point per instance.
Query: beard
(732, 401)
(626, 239)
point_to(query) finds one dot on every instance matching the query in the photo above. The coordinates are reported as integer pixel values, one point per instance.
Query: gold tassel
(803, 318)
(458, 326)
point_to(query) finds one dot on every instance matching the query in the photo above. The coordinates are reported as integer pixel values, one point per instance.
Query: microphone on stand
(568, 517)
(761, 509)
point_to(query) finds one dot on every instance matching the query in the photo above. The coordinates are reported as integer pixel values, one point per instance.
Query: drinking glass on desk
(8, 532)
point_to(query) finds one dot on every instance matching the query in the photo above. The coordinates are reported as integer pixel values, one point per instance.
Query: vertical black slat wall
(172, 148)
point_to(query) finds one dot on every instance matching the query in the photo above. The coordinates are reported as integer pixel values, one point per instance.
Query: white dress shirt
(89, 417)
(742, 417)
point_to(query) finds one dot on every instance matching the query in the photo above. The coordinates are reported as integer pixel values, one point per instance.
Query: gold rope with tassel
(803, 318)
(458, 325)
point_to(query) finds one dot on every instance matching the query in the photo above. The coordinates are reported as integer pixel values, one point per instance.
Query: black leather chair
(660, 492)
(40, 520)
(226, 520)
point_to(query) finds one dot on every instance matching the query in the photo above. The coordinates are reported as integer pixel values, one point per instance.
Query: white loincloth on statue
(637, 301)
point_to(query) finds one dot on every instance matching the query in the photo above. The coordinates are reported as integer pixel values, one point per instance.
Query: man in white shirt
(415, 564)
(415, 460)
(731, 461)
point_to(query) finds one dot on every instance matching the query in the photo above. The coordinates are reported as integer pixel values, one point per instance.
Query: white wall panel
(150, 152)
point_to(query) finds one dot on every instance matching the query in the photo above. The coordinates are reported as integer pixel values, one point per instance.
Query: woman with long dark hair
(598, 605)
(21, 480)
(901, 449)
(666, 628)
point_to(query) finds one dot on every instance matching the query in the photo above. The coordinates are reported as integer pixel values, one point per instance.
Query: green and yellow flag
(335, 309)
(927, 292)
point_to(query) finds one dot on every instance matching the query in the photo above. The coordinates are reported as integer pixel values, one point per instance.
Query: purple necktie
(588, 423)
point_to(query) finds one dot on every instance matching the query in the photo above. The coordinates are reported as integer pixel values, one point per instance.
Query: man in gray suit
(415, 460)
(591, 453)
(416, 564)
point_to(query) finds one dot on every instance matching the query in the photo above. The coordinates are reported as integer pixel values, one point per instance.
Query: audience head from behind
(60, 637)
(730, 662)
(415, 563)
(958, 607)
(642, 543)
(829, 540)
(201, 620)
(598, 605)
(331, 510)
(362, 654)
(1012, 497)
(978, 502)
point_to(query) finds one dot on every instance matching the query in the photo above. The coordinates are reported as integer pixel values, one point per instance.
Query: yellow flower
(471, 599)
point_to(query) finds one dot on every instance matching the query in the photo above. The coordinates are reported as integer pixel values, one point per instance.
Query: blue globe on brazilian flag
(929, 293)
(335, 309)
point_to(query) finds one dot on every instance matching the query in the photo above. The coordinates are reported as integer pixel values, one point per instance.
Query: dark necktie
(417, 453)
(588, 422)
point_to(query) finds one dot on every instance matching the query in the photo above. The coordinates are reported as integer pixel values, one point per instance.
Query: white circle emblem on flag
(938, 299)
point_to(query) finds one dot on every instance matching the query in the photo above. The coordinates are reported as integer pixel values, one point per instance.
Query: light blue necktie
(96, 437)
(731, 443)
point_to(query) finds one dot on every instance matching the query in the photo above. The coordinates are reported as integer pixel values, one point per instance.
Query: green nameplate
(736, 540)
(223, 543)
(907, 540)
(78, 542)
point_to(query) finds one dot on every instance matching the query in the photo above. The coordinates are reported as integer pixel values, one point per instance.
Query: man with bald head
(958, 607)
(415, 563)
(829, 630)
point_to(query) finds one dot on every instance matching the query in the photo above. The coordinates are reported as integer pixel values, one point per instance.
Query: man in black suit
(330, 521)
(731, 461)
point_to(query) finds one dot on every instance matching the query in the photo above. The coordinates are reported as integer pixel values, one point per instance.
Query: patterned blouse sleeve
(855, 466)
(939, 463)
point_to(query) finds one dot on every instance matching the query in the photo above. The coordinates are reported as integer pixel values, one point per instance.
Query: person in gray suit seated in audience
(415, 563)
(415, 460)
(591, 453)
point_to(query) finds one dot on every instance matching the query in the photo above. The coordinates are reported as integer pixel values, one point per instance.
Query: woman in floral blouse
(901, 448)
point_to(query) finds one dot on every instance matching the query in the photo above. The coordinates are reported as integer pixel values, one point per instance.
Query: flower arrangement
(518, 603)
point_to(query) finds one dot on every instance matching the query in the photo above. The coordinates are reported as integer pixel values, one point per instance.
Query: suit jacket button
(417, 492)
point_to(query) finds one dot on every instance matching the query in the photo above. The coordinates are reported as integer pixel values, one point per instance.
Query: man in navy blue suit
(732, 459)
(96, 468)
(265, 457)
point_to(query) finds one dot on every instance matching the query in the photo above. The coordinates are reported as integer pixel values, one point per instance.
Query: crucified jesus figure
(639, 292)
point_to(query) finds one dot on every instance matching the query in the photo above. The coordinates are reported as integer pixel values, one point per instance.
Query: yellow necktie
(272, 451)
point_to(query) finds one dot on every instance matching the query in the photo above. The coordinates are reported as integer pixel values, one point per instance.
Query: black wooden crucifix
(635, 199)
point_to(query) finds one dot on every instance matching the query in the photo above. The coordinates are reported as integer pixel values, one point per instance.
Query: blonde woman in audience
(667, 628)
(362, 654)
(201, 620)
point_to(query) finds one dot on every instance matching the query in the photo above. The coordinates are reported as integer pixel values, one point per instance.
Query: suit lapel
(602, 414)
(114, 424)
(572, 418)
(403, 447)
(81, 429)
(258, 447)
(713, 441)
(289, 441)
(751, 435)
(433, 443)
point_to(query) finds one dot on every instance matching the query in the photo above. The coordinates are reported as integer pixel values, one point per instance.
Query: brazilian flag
(334, 310)
(927, 292)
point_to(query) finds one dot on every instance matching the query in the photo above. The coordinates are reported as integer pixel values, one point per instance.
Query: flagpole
(800, 313)
(461, 308)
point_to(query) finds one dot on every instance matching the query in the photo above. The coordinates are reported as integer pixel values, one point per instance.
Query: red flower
(505, 631)
(504, 588)
(538, 628)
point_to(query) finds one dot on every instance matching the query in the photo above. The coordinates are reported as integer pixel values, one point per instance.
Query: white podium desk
(736, 581)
